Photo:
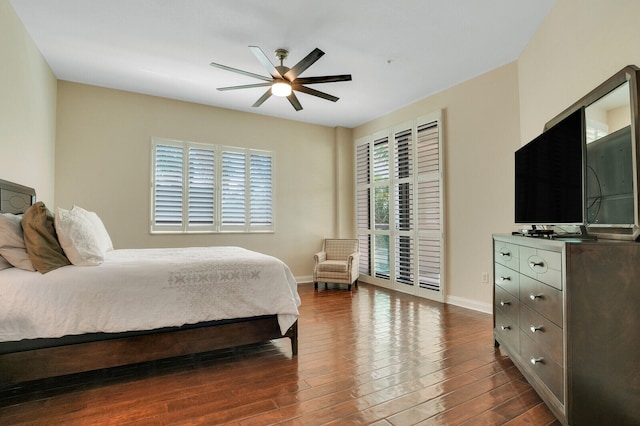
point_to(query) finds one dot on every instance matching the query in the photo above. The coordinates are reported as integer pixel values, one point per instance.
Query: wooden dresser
(567, 313)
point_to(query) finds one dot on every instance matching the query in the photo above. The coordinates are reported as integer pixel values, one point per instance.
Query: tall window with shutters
(210, 188)
(399, 207)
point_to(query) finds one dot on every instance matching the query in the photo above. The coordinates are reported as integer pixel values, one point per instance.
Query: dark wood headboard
(15, 198)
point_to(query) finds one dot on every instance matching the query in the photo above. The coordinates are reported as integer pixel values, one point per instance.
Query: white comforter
(146, 289)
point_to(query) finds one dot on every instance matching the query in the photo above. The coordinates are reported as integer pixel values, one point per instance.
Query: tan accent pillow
(12, 247)
(41, 240)
(4, 264)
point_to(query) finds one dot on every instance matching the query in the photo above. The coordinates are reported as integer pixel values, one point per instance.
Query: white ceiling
(397, 51)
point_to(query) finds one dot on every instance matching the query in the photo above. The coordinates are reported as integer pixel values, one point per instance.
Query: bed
(136, 305)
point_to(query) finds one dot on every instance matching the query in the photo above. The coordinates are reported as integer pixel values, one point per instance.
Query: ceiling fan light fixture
(282, 80)
(281, 88)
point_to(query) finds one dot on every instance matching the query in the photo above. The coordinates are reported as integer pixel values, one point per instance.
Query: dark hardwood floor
(370, 356)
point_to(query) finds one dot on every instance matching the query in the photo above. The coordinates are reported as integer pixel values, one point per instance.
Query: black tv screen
(549, 175)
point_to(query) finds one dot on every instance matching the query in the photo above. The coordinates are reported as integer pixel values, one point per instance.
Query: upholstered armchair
(337, 262)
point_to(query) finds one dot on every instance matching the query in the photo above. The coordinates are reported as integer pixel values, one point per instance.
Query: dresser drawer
(543, 265)
(506, 331)
(506, 278)
(507, 303)
(542, 331)
(542, 365)
(542, 298)
(506, 254)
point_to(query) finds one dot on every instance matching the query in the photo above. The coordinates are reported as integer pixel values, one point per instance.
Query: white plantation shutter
(168, 178)
(363, 205)
(261, 199)
(399, 177)
(201, 186)
(429, 261)
(403, 175)
(365, 254)
(403, 204)
(247, 190)
(381, 255)
(381, 159)
(206, 188)
(363, 174)
(363, 208)
(381, 203)
(428, 148)
(404, 259)
(429, 205)
(404, 233)
(403, 158)
(233, 189)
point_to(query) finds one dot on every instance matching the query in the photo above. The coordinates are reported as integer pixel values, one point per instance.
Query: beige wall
(580, 44)
(103, 164)
(27, 109)
(345, 184)
(480, 135)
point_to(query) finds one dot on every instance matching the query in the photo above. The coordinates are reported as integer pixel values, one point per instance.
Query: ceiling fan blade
(309, 91)
(295, 103)
(246, 86)
(305, 63)
(263, 98)
(324, 79)
(250, 74)
(265, 61)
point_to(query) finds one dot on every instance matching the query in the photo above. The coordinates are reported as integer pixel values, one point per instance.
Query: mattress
(146, 289)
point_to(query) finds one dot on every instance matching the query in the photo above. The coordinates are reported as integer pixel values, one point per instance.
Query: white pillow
(98, 227)
(78, 238)
(12, 246)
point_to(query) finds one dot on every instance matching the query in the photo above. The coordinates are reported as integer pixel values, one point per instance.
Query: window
(210, 188)
(399, 207)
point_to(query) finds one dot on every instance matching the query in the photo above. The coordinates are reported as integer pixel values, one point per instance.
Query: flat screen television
(549, 175)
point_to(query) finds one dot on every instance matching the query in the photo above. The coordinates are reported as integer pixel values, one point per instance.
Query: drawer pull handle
(535, 361)
(534, 264)
(505, 254)
(505, 278)
(505, 327)
(535, 296)
(504, 303)
(535, 328)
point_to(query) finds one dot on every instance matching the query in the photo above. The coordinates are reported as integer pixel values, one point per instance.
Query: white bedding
(144, 289)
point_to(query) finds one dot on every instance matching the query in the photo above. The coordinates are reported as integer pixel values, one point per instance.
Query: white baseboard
(458, 301)
(487, 308)
(304, 279)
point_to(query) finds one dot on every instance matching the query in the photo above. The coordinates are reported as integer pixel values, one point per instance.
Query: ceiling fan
(284, 80)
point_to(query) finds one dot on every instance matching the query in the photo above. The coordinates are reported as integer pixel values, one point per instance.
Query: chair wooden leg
(349, 287)
(325, 286)
(315, 285)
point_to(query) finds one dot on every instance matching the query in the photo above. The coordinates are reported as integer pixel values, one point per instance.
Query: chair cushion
(333, 266)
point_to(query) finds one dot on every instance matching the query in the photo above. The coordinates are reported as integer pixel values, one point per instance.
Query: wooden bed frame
(34, 364)
(62, 358)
